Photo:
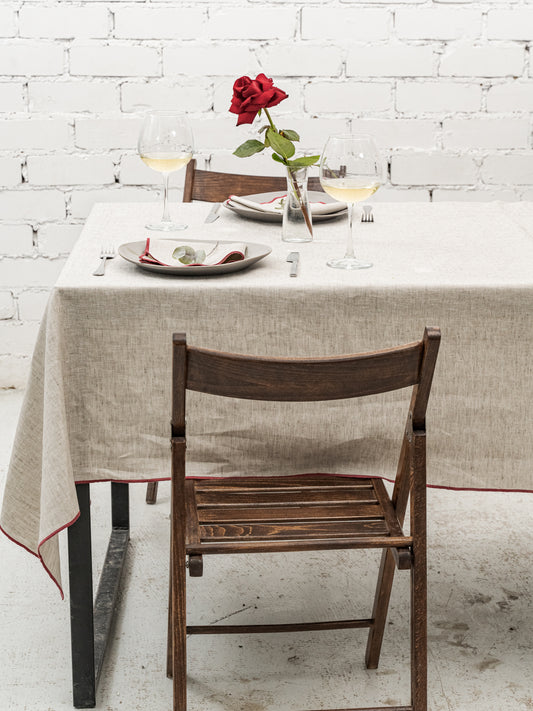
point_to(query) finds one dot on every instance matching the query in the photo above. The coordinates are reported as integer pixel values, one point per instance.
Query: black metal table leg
(90, 624)
(81, 604)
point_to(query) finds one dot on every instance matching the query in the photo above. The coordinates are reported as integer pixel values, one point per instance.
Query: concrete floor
(480, 617)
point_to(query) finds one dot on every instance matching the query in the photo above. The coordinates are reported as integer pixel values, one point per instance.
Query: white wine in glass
(165, 145)
(350, 171)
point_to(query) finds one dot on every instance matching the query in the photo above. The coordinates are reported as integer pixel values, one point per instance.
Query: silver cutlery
(367, 215)
(213, 213)
(105, 254)
(293, 257)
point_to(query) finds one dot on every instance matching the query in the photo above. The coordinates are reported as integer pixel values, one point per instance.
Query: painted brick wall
(446, 86)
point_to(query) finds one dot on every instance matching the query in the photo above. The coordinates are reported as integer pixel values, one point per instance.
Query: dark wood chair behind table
(210, 186)
(303, 513)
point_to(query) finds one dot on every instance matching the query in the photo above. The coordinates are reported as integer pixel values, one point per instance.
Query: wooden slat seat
(297, 509)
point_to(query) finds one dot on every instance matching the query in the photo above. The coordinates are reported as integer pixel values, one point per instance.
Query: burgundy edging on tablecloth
(167, 478)
(38, 554)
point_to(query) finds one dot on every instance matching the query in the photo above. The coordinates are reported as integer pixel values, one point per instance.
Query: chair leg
(179, 633)
(419, 630)
(169, 629)
(151, 492)
(381, 607)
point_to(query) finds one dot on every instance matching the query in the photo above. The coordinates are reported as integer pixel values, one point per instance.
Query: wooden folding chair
(302, 513)
(210, 186)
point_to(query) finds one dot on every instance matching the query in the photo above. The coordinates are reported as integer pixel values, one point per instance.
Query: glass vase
(297, 224)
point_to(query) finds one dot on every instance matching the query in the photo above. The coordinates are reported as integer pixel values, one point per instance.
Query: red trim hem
(366, 476)
(38, 554)
(359, 476)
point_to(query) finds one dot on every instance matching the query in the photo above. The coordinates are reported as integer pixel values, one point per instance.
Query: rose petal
(247, 117)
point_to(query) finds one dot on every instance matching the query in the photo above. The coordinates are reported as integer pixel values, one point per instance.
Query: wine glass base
(166, 227)
(348, 263)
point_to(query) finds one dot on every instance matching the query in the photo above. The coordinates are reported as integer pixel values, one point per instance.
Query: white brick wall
(159, 23)
(46, 134)
(355, 25)
(12, 96)
(114, 60)
(445, 86)
(70, 170)
(483, 61)
(10, 172)
(27, 58)
(63, 21)
(445, 23)
(442, 97)
(16, 240)
(432, 169)
(515, 24)
(7, 305)
(194, 94)
(98, 134)
(93, 96)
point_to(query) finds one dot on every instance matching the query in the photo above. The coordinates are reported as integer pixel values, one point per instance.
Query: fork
(367, 215)
(105, 254)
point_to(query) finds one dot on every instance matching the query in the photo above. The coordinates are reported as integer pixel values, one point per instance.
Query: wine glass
(350, 171)
(166, 145)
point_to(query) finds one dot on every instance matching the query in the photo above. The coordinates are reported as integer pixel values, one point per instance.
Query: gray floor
(480, 627)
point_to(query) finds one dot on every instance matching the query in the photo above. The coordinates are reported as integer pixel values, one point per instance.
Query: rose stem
(294, 182)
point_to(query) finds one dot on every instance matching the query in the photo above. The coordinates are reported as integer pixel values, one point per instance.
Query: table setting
(350, 172)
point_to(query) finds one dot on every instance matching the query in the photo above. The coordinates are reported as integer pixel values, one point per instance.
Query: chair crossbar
(281, 546)
(290, 627)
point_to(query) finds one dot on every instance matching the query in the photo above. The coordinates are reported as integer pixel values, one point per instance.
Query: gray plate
(314, 196)
(131, 252)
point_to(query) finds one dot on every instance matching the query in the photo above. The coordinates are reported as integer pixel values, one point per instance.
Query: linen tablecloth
(97, 404)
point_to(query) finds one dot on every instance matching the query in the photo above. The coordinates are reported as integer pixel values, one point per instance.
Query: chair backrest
(304, 379)
(210, 186)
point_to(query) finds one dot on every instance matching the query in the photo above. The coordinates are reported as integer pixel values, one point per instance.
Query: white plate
(314, 196)
(131, 251)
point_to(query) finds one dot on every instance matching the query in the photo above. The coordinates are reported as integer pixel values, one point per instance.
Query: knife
(213, 213)
(293, 257)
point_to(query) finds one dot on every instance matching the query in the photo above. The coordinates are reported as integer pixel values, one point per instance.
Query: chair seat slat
(296, 513)
(249, 497)
(296, 530)
(293, 483)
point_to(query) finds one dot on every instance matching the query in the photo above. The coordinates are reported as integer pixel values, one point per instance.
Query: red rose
(251, 95)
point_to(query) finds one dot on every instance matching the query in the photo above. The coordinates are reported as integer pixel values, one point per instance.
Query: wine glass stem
(351, 229)
(166, 215)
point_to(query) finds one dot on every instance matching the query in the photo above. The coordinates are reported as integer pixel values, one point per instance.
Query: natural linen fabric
(97, 405)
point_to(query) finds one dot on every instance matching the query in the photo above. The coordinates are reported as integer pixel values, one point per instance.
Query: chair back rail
(211, 186)
(302, 379)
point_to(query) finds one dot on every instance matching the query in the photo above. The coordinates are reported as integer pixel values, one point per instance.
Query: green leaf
(264, 128)
(281, 145)
(188, 255)
(184, 254)
(279, 159)
(304, 160)
(291, 135)
(248, 148)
